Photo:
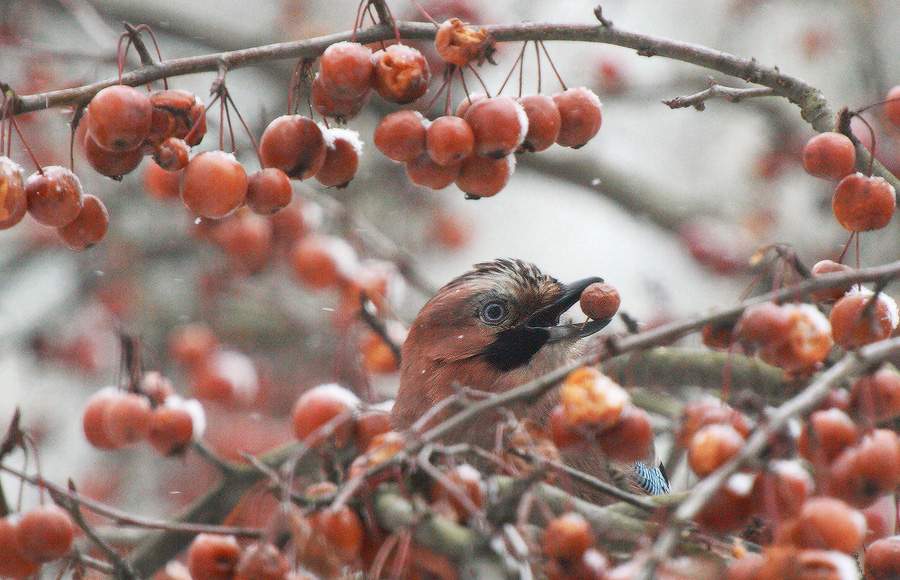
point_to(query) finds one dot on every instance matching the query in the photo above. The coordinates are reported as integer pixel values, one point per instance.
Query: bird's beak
(547, 318)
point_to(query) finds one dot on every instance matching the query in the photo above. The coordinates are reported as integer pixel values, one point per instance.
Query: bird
(491, 329)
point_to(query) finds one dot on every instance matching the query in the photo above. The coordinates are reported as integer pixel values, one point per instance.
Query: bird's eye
(493, 312)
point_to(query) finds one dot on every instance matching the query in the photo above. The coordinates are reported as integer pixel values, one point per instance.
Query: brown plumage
(492, 329)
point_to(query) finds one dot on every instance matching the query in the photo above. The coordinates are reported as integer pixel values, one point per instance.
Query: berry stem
(513, 69)
(246, 128)
(553, 66)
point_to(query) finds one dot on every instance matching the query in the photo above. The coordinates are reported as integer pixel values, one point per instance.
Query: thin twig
(732, 95)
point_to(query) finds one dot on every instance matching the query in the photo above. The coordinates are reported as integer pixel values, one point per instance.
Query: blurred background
(667, 205)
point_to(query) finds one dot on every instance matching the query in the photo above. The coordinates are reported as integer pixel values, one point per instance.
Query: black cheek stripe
(515, 347)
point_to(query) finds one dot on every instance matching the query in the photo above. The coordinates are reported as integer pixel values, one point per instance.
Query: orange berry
(876, 395)
(630, 438)
(580, 114)
(246, 238)
(401, 74)
(567, 537)
(468, 481)
(347, 68)
(293, 144)
(709, 411)
(322, 262)
(425, 172)
(484, 176)
(731, 507)
(600, 301)
(464, 104)
(268, 190)
(763, 324)
(830, 295)
(825, 523)
(863, 203)
(178, 114)
(449, 140)
(370, 424)
(544, 122)
(342, 529)
(126, 418)
(113, 164)
(88, 227)
(859, 318)
(172, 154)
(882, 560)
(13, 200)
(718, 334)
(458, 43)
(806, 343)
(378, 357)
(782, 489)
(54, 196)
(227, 375)
(329, 102)
(499, 125)
(826, 435)
(159, 183)
(175, 424)
(213, 184)
(45, 533)
(92, 419)
(342, 151)
(192, 344)
(119, 118)
(592, 399)
(712, 446)
(12, 563)
(318, 406)
(829, 155)
(213, 557)
(400, 136)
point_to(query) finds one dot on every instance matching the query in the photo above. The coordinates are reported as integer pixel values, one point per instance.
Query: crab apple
(318, 406)
(45, 533)
(13, 200)
(193, 344)
(862, 474)
(92, 418)
(592, 565)
(580, 114)
(561, 432)
(213, 557)
(262, 561)
(88, 227)
(246, 238)
(718, 334)
(829, 155)
(329, 103)
(764, 323)
(712, 446)
(120, 118)
(731, 507)
(179, 114)
(227, 375)
(54, 196)
(172, 154)
(401, 74)
(892, 106)
(464, 104)
(342, 151)
(347, 68)
(159, 183)
(126, 418)
(174, 424)
(268, 190)
(876, 395)
(600, 301)
(824, 523)
(458, 43)
(342, 529)
(567, 537)
(484, 176)
(826, 435)
(468, 482)
(882, 559)
(213, 184)
(499, 125)
(449, 140)
(806, 344)
(863, 203)
(544, 122)
(592, 399)
(425, 172)
(322, 262)
(370, 424)
(156, 387)
(400, 136)
(830, 295)
(378, 358)
(709, 411)
(113, 164)
(13, 564)
(293, 144)
(860, 318)
(782, 489)
(630, 438)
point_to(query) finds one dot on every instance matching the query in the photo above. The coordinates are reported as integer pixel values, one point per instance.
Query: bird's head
(501, 313)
